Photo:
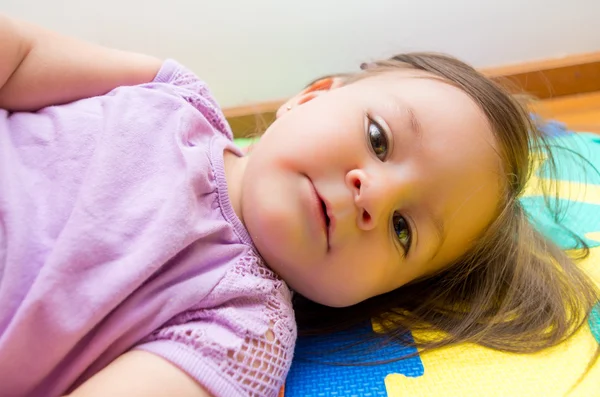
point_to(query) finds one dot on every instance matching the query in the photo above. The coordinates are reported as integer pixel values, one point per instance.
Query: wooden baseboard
(575, 74)
(251, 119)
(544, 79)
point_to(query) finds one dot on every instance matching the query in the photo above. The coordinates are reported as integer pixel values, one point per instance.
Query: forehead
(391, 87)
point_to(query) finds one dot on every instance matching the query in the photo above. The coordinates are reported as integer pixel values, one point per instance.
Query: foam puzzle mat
(467, 369)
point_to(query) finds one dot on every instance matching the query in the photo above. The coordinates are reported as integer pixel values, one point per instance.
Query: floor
(579, 112)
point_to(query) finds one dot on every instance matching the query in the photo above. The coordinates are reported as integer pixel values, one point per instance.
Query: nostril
(366, 217)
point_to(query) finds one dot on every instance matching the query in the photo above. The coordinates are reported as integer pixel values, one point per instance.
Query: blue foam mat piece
(313, 373)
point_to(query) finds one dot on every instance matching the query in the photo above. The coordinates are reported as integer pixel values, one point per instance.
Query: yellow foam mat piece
(471, 370)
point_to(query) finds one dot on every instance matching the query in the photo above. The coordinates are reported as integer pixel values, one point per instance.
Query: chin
(322, 294)
(334, 301)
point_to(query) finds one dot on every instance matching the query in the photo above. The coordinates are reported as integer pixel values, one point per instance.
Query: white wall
(255, 50)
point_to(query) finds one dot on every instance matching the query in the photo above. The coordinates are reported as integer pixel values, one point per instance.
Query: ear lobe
(297, 100)
(306, 97)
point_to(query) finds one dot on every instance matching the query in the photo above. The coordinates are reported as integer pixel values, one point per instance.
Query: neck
(234, 174)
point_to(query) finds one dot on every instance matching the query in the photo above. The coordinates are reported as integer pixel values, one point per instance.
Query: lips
(324, 208)
(329, 219)
(322, 213)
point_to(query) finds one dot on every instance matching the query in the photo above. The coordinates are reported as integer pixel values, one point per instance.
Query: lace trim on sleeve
(245, 329)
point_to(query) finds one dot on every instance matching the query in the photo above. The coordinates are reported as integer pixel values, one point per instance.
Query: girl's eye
(402, 231)
(377, 140)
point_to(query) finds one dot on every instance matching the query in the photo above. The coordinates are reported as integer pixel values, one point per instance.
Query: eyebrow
(437, 221)
(415, 124)
(403, 109)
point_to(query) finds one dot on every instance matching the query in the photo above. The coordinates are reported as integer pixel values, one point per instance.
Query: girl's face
(370, 186)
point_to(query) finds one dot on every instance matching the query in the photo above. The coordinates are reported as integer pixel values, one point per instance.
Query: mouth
(329, 219)
(324, 208)
(325, 217)
(322, 213)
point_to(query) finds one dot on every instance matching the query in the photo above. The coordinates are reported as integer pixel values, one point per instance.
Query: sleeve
(240, 342)
(195, 91)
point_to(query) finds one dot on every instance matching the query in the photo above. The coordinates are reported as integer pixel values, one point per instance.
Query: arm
(137, 374)
(41, 68)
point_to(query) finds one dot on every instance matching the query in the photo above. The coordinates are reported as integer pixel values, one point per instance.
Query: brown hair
(515, 290)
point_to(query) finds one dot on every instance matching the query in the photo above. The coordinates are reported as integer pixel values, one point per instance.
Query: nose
(371, 197)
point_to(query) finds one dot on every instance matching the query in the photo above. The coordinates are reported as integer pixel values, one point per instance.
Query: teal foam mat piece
(583, 218)
(577, 159)
(594, 322)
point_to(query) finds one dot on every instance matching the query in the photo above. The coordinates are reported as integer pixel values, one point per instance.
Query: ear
(317, 88)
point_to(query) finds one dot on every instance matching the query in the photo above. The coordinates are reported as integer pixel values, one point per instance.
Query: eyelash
(381, 153)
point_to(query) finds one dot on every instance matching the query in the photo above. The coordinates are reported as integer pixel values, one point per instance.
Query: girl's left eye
(377, 139)
(402, 231)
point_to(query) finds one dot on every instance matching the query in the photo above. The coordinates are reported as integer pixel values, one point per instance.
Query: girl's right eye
(377, 139)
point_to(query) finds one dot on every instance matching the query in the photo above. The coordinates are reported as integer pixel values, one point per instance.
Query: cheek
(272, 212)
(315, 135)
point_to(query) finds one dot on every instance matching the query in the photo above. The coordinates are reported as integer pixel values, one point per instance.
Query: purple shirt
(116, 232)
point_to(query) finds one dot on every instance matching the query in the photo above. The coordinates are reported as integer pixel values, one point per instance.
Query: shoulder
(192, 89)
